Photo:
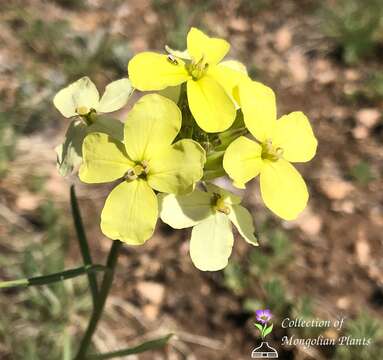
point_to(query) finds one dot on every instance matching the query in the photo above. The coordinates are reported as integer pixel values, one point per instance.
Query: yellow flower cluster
(162, 167)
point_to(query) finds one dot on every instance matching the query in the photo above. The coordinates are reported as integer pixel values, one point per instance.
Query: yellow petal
(130, 212)
(211, 107)
(259, 109)
(104, 159)
(116, 95)
(152, 71)
(177, 168)
(243, 221)
(293, 133)
(242, 160)
(81, 94)
(283, 189)
(212, 50)
(152, 124)
(183, 211)
(229, 74)
(211, 243)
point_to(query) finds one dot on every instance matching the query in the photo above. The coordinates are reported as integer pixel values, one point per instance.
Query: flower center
(139, 170)
(270, 152)
(88, 115)
(218, 204)
(82, 110)
(197, 69)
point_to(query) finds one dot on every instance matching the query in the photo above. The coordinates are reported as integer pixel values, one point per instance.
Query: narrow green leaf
(268, 330)
(14, 283)
(146, 346)
(51, 278)
(67, 346)
(83, 243)
(259, 327)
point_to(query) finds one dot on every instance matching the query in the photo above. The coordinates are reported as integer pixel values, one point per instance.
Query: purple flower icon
(263, 316)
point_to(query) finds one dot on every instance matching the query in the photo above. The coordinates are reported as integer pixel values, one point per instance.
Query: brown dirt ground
(337, 244)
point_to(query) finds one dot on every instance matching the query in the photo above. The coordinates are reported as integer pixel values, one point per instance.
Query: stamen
(145, 165)
(218, 204)
(269, 152)
(222, 207)
(198, 69)
(172, 59)
(138, 170)
(130, 175)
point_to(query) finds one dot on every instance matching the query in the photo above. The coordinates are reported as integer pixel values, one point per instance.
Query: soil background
(329, 258)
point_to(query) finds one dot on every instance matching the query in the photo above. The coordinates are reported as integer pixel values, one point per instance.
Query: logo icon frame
(264, 351)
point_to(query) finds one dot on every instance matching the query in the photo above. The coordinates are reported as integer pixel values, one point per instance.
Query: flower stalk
(83, 243)
(52, 278)
(101, 300)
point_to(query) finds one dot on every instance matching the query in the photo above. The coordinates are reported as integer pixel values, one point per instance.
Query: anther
(145, 166)
(219, 204)
(130, 175)
(172, 59)
(271, 153)
(221, 207)
(138, 169)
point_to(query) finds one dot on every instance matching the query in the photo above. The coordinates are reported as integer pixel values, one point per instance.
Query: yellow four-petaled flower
(210, 213)
(210, 82)
(146, 161)
(280, 142)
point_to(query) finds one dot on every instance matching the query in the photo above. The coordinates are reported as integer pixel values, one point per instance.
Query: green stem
(83, 242)
(263, 330)
(51, 278)
(227, 137)
(101, 300)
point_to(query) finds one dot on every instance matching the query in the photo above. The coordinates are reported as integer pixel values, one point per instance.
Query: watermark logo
(264, 351)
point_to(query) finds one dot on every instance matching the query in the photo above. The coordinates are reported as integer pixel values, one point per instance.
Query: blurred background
(322, 57)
